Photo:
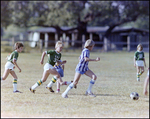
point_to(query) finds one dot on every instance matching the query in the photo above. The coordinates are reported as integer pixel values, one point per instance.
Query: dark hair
(18, 45)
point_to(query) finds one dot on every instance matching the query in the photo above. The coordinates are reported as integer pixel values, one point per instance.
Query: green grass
(116, 80)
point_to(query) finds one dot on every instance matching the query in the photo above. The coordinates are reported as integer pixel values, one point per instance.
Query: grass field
(116, 80)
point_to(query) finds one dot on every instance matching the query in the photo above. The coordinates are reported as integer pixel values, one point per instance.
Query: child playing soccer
(139, 61)
(82, 68)
(145, 92)
(10, 65)
(54, 56)
(60, 70)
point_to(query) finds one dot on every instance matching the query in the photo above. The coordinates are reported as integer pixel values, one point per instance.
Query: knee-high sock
(15, 84)
(52, 81)
(69, 88)
(38, 83)
(90, 85)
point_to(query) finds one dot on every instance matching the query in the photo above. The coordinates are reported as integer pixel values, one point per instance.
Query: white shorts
(10, 66)
(140, 63)
(148, 73)
(48, 66)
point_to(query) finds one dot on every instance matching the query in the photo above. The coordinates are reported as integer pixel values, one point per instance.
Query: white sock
(52, 81)
(15, 87)
(34, 86)
(90, 85)
(67, 82)
(38, 83)
(15, 84)
(68, 88)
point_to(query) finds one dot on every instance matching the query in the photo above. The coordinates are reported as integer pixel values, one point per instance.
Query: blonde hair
(140, 45)
(59, 44)
(18, 45)
(89, 43)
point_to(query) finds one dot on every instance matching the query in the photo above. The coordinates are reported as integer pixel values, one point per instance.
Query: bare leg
(14, 81)
(13, 74)
(142, 70)
(54, 72)
(93, 77)
(6, 73)
(138, 73)
(58, 86)
(145, 92)
(45, 75)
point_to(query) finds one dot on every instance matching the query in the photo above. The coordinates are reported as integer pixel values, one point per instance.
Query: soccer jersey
(53, 57)
(139, 55)
(13, 55)
(83, 65)
(57, 66)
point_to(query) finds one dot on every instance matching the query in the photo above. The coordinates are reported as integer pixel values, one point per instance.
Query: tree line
(77, 14)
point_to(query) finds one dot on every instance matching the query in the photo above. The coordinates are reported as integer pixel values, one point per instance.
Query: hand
(41, 62)
(97, 59)
(19, 70)
(145, 92)
(63, 62)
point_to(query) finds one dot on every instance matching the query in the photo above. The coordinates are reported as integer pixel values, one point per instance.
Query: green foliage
(66, 13)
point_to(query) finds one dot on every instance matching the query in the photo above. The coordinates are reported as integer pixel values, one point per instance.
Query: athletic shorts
(10, 66)
(140, 63)
(81, 72)
(48, 66)
(60, 71)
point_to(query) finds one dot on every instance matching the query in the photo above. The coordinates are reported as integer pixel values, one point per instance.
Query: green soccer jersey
(13, 55)
(53, 57)
(139, 55)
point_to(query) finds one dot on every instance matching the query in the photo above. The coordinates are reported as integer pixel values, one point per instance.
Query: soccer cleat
(17, 91)
(64, 95)
(33, 91)
(50, 89)
(75, 86)
(90, 94)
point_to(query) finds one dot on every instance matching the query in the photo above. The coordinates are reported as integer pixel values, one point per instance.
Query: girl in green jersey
(139, 61)
(10, 65)
(53, 57)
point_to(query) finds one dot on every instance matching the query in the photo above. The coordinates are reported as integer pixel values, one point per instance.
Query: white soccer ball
(134, 96)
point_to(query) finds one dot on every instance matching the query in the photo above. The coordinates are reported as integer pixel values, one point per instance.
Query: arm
(144, 62)
(14, 61)
(134, 62)
(61, 62)
(42, 57)
(88, 59)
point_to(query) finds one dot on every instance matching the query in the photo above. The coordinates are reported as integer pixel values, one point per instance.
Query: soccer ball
(134, 96)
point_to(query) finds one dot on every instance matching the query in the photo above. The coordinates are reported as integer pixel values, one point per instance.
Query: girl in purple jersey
(82, 68)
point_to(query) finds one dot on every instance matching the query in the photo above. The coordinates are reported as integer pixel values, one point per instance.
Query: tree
(78, 14)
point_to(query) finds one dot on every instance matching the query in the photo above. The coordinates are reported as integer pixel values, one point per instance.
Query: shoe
(138, 79)
(57, 91)
(50, 89)
(90, 94)
(33, 91)
(75, 86)
(17, 91)
(64, 95)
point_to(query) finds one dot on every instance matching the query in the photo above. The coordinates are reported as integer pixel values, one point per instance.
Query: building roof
(94, 29)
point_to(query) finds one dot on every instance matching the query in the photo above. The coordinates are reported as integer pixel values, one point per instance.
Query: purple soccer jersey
(83, 65)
